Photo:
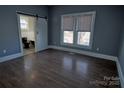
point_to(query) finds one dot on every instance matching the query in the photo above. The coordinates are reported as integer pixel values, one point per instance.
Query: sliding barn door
(41, 34)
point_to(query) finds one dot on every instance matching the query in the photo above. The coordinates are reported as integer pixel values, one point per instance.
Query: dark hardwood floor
(53, 68)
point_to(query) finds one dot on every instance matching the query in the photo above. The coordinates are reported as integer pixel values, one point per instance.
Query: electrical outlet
(4, 51)
(97, 49)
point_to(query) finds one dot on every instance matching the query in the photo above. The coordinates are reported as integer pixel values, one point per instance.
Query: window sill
(76, 46)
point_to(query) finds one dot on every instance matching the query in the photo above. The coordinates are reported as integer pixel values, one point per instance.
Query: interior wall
(121, 48)
(9, 34)
(106, 31)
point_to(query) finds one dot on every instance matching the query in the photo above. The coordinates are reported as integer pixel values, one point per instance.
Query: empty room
(61, 46)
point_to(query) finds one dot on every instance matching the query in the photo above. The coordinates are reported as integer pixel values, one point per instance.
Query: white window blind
(84, 23)
(68, 23)
(77, 29)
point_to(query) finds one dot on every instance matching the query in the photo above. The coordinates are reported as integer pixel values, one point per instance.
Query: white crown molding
(9, 57)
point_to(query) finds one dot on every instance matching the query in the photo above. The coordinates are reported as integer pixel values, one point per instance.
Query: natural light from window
(68, 37)
(83, 38)
(77, 29)
(24, 24)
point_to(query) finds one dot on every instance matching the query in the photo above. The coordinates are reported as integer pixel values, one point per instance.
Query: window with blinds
(84, 29)
(68, 29)
(77, 29)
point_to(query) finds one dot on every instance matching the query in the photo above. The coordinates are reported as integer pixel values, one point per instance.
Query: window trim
(74, 44)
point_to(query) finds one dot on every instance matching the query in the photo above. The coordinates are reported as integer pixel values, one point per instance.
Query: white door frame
(20, 36)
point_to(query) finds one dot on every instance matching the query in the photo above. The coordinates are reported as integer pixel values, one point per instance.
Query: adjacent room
(27, 28)
(61, 46)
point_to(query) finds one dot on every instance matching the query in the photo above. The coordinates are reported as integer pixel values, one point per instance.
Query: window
(83, 38)
(68, 37)
(24, 24)
(77, 29)
(68, 30)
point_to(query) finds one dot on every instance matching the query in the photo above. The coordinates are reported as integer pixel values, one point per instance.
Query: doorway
(32, 33)
(27, 25)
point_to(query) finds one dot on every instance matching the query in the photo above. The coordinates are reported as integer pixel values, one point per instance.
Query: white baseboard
(98, 55)
(9, 57)
(120, 73)
(108, 57)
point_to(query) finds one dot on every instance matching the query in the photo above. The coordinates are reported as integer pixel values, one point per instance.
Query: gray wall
(107, 26)
(9, 35)
(106, 32)
(121, 48)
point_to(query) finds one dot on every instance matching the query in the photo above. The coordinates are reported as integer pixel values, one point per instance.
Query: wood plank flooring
(58, 69)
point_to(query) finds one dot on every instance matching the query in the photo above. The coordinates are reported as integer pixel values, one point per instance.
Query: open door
(41, 34)
(27, 33)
